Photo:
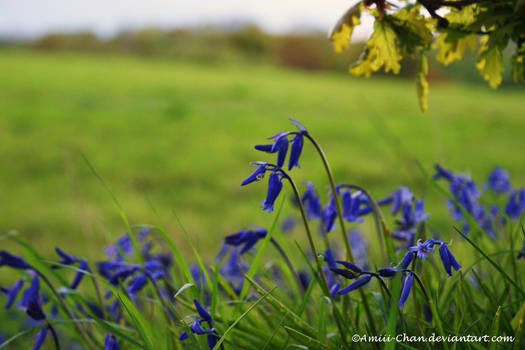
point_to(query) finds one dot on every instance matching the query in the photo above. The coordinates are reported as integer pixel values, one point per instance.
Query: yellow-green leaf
(452, 47)
(421, 81)
(381, 51)
(490, 65)
(343, 29)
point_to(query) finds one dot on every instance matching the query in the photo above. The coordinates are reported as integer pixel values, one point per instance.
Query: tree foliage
(412, 29)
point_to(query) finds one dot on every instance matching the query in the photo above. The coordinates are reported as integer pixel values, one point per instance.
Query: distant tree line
(247, 43)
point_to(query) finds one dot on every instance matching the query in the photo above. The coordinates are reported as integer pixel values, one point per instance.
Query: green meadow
(176, 139)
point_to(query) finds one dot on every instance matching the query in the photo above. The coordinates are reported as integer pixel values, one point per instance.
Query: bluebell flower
(111, 342)
(233, 270)
(212, 340)
(329, 258)
(311, 202)
(358, 283)
(329, 214)
(387, 272)
(351, 205)
(12, 292)
(288, 224)
(296, 149)
(407, 285)
(499, 181)
(202, 311)
(136, 284)
(423, 248)
(407, 259)
(275, 186)
(13, 261)
(67, 259)
(304, 277)
(247, 238)
(257, 175)
(351, 266)
(516, 204)
(399, 198)
(412, 215)
(343, 272)
(40, 338)
(33, 301)
(448, 259)
(280, 145)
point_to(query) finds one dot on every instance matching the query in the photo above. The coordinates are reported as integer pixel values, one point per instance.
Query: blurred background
(167, 98)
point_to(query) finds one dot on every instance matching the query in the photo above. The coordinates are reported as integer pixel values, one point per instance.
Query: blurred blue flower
(33, 301)
(111, 342)
(13, 261)
(311, 202)
(12, 292)
(399, 198)
(67, 259)
(280, 145)
(516, 204)
(288, 224)
(247, 238)
(40, 338)
(329, 214)
(499, 181)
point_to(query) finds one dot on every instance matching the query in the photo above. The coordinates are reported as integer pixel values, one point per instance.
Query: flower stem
(349, 255)
(84, 335)
(54, 334)
(164, 306)
(325, 287)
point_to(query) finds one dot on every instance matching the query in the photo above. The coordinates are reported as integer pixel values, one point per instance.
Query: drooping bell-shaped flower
(257, 175)
(358, 283)
(329, 214)
(295, 152)
(247, 238)
(407, 259)
(202, 311)
(407, 285)
(448, 259)
(12, 292)
(33, 301)
(279, 146)
(311, 202)
(387, 272)
(13, 261)
(275, 186)
(40, 338)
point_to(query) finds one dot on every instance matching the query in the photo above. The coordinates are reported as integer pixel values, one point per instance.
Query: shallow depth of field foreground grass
(95, 145)
(181, 135)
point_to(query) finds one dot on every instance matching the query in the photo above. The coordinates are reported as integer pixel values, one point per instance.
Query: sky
(33, 18)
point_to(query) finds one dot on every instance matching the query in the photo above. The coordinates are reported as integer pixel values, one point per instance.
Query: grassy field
(181, 135)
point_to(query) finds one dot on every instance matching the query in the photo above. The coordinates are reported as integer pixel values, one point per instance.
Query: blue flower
(288, 224)
(257, 175)
(40, 338)
(295, 152)
(329, 258)
(111, 342)
(407, 285)
(33, 301)
(67, 259)
(412, 215)
(280, 145)
(499, 181)
(361, 281)
(407, 259)
(351, 266)
(351, 206)
(400, 198)
(387, 272)
(248, 238)
(448, 259)
(311, 202)
(423, 248)
(329, 214)
(275, 186)
(516, 204)
(359, 247)
(202, 311)
(12, 292)
(13, 261)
